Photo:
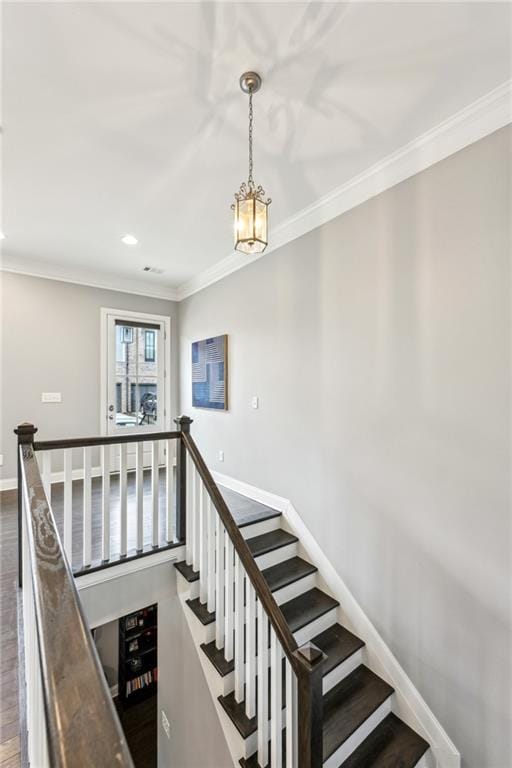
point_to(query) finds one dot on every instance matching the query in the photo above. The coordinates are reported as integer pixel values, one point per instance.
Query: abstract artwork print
(209, 373)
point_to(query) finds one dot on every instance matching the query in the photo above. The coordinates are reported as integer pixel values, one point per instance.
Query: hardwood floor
(9, 688)
(140, 728)
(243, 510)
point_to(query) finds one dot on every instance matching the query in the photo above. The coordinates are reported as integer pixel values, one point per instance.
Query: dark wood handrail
(263, 593)
(85, 442)
(82, 723)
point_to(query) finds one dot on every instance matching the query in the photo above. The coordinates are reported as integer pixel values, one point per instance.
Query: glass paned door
(135, 381)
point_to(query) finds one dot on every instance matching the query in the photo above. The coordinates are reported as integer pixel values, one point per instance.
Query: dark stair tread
(391, 745)
(305, 608)
(216, 656)
(338, 644)
(261, 518)
(349, 704)
(236, 710)
(187, 571)
(201, 611)
(268, 542)
(286, 573)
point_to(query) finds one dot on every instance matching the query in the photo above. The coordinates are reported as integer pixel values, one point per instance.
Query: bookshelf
(138, 662)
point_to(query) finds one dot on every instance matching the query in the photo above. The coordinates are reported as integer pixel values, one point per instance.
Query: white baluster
(139, 494)
(169, 489)
(250, 650)
(203, 545)
(123, 500)
(68, 503)
(196, 511)
(276, 701)
(219, 583)
(230, 578)
(291, 716)
(193, 505)
(87, 515)
(262, 686)
(105, 502)
(210, 516)
(47, 475)
(154, 493)
(239, 629)
(189, 516)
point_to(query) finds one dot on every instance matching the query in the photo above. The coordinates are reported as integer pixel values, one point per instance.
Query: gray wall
(51, 343)
(379, 345)
(197, 740)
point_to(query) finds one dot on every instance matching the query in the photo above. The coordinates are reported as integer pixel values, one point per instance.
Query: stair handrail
(80, 717)
(263, 593)
(306, 660)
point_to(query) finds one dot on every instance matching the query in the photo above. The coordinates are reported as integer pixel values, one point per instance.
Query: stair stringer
(200, 634)
(407, 702)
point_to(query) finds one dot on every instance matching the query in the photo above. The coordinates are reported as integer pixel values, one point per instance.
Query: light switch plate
(51, 397)
(221, 455)
(255, 402)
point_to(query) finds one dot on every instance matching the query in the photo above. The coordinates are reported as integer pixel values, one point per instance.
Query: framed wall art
(210, 373)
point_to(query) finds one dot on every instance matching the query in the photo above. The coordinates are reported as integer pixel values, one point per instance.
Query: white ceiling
(127, 117)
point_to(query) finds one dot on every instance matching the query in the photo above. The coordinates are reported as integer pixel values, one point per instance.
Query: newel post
(310, 706)
(183, 424)
(25, 433)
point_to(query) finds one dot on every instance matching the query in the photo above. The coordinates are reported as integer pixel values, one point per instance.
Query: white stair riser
(341, 671)
(281, 595)
(316, 627)
(263, 526)
(294, 590)
(364, 730)
(276, 556)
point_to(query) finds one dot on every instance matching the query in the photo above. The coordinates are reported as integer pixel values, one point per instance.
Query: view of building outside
(136, 375)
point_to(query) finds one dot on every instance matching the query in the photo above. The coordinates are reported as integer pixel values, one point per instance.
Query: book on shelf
(142, 681)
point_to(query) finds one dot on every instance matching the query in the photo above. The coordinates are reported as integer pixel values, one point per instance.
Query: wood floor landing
(243, 510)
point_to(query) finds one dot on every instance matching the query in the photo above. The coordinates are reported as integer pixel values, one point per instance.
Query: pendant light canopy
(250, 207)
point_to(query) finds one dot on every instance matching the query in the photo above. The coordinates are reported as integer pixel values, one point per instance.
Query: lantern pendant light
(250, 207)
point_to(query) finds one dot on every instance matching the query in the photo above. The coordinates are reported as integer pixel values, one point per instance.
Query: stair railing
(250, 627)
(71, 719)
(80, 460)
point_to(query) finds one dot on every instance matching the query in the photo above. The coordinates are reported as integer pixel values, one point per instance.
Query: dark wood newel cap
(184, 423)
(311, 653)
(25, 432)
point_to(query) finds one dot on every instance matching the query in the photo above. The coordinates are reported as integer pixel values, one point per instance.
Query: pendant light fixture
(250, 207)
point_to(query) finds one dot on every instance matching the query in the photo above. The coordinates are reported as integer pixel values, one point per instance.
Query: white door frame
(105, 312)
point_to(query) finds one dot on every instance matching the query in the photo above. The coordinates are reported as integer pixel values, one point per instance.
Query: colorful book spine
(142, 681)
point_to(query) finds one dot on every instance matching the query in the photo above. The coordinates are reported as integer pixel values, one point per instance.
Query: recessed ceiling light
(129, 240)
(2, 236)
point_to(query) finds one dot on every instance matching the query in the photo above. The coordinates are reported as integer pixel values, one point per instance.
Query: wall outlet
(51, 397)
(166, 725)
(255, 401)
(221, 455)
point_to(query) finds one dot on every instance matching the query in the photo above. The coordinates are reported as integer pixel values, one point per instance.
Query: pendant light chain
(251, 118)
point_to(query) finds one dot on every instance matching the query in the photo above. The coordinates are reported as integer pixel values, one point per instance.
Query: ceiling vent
(155, 270)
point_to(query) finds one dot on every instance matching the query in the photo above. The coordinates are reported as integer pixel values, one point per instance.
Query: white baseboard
(408, 702)
(10, 483)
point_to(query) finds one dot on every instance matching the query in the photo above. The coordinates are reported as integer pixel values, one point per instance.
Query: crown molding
(34, 268)
(474, 122)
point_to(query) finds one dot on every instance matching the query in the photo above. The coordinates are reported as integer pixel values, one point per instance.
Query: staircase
(358, 726)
